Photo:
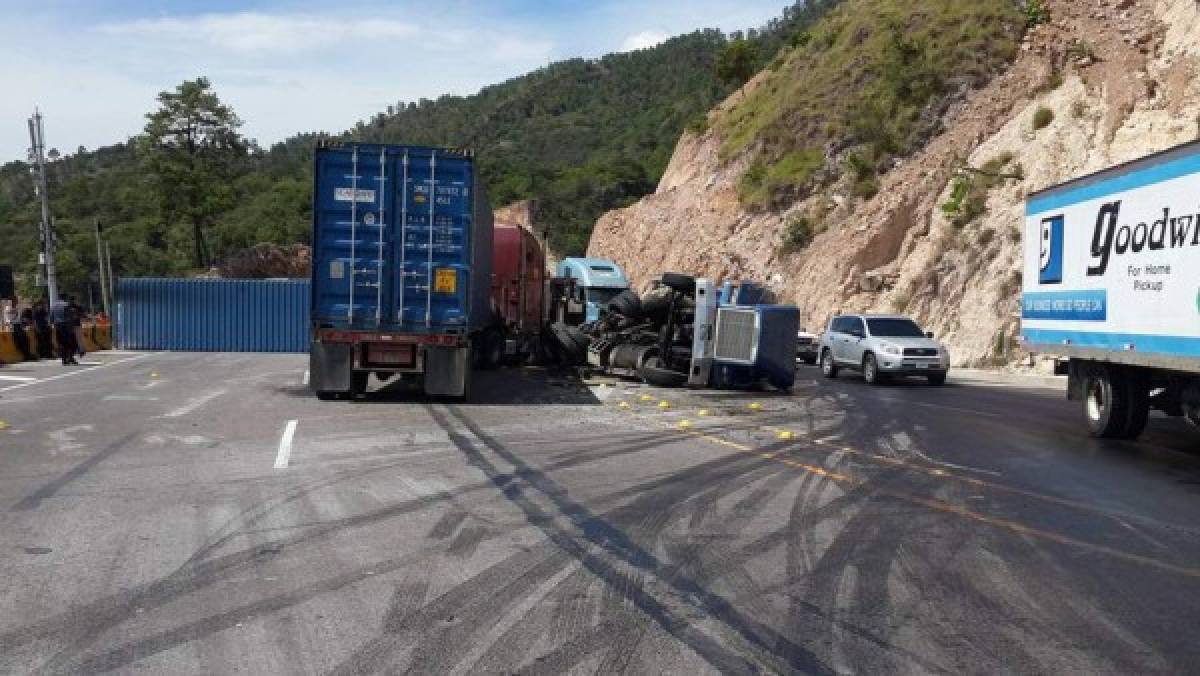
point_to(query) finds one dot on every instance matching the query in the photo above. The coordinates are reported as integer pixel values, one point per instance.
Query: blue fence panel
(213, 315)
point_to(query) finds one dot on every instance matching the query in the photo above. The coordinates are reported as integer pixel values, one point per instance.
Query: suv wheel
(870, 370)
(828, 366)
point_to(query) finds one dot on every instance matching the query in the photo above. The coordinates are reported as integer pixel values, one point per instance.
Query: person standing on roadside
(9, 315)
(77, 325)
(41, 327)
(64, 329)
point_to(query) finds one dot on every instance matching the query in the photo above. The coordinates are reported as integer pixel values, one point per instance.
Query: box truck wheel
(1115, 405)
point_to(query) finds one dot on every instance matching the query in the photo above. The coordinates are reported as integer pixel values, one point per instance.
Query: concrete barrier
(96, 337)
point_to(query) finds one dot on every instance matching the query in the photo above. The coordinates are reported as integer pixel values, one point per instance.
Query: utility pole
(37, 156)
(101, 267)
(112, 284)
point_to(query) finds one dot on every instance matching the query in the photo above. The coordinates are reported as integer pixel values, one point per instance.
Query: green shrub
(766, 186)
(866, 188)
(1035, 13)
(1042, 118)
(969, 192)
(798, 233)
(1081, 49)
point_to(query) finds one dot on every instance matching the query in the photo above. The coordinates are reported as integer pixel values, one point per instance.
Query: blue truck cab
(597, 281)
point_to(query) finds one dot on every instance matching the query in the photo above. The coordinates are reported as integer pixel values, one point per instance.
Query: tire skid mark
(761, 639)
(128, 653)
(81, 626)
(34, 500)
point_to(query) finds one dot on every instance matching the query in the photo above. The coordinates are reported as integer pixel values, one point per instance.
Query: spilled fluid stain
(37, 550)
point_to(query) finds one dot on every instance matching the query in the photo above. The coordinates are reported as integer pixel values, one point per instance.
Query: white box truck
(1112, 286)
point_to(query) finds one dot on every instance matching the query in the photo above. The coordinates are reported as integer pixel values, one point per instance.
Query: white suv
(881, 346)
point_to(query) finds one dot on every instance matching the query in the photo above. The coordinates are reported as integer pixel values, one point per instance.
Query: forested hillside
(580, 137)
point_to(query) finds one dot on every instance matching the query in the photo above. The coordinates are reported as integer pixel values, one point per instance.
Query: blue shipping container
(402, 240)
(213, 315)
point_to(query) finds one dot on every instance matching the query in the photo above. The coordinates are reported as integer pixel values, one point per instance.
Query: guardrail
(96, 336)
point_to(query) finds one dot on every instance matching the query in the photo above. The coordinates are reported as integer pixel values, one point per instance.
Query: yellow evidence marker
(647, 397)
(786, 435)
(755, 406)
(664, 404)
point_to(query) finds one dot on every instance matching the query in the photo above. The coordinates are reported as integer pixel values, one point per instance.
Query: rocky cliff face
(1120, 81)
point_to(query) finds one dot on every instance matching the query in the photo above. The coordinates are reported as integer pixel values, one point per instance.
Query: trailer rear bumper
(340, 361)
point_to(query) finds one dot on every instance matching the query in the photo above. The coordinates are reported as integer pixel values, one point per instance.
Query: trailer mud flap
(447, 371)
(329, 366)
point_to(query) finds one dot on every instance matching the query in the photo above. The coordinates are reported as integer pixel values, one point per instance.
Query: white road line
(19, 379)
(285, 445)
(76, 373)
(304, 380)
(193, 404)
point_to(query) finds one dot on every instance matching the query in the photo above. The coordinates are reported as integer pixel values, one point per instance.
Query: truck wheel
(574, 343)
(679, 282)
(870, 371)
(1137, 408)
(657, 302)
(328, 396)
(828, 366)
(1105, 404)
(358, 383)
(627, 304)
(490, 351)
(937, 379)
(654, 372)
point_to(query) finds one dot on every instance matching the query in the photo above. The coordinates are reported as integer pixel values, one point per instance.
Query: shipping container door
(433, 271)
(354, 238)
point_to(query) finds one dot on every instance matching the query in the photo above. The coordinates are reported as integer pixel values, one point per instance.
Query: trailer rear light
(391, 355)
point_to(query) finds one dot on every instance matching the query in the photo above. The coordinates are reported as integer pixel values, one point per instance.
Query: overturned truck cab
(401, 268)
(688, 331)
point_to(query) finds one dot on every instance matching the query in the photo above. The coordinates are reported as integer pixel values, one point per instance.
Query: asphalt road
(180, 513)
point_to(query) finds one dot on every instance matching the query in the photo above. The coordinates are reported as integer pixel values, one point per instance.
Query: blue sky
(94, 67)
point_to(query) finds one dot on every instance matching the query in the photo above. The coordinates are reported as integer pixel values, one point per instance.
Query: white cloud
(643, 40)
(255, 32)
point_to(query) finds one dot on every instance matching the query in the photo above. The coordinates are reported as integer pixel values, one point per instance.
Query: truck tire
(654, 372)
(829, 367)
(491, 349)
(1106, 401)
(679, 282)
(1137, 408)
(572, 342)
(627, 304)
(657, 303)
(358, 383)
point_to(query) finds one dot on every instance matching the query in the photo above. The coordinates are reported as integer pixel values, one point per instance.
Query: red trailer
(518, 292)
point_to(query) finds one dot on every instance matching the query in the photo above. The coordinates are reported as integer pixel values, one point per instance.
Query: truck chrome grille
(735, 335)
